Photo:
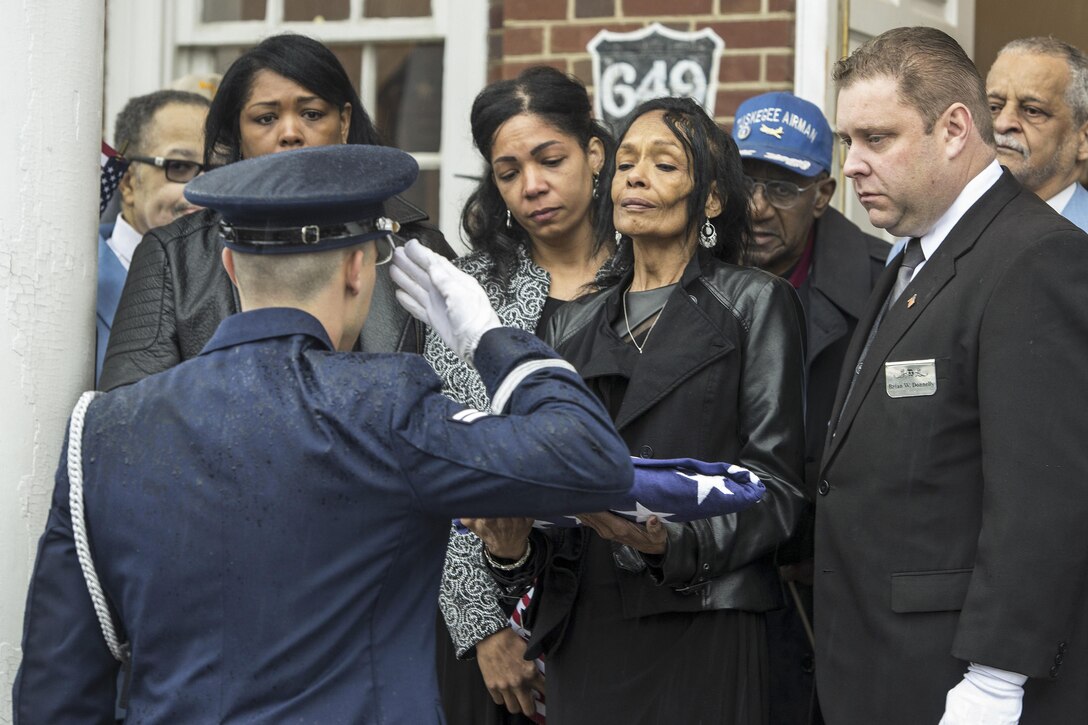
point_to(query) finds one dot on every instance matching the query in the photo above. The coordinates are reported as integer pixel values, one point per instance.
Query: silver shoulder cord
(120, 651)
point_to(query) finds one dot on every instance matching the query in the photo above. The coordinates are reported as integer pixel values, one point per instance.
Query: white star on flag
(707, 484)
(542, 524)
(641, 514)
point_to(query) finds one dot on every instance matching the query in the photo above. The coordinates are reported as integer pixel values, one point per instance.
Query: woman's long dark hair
(559, 100)
(295, 57)
(714, 162)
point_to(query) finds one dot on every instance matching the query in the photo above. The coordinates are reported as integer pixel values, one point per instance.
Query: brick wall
(758, 35)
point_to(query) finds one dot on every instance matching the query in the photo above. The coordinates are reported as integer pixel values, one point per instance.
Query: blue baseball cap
(784, 130)
(306, 200)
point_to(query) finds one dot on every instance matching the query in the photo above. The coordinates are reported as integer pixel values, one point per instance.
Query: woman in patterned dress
(531, 227)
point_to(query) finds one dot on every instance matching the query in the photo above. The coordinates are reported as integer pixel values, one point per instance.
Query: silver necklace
(627, 322)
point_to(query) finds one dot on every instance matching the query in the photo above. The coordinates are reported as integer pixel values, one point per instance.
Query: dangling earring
(619, 238)
(596, 191)
(509, 222)
(708, 235)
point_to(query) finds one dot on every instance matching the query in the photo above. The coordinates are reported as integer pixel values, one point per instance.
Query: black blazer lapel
(857, 342)
(937, 272)
(669, 360)
(826, 324)
(897, 320)
(840, 281)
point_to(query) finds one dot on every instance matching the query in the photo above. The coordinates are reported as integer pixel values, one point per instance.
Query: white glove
(985, 696)
(443, 297)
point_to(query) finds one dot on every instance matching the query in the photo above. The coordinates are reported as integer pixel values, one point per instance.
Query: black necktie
(912, 257)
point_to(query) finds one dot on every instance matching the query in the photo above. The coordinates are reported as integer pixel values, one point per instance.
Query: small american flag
(113, 167)
(517, 623)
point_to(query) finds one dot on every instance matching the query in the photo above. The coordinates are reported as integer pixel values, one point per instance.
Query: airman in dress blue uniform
(267, 521)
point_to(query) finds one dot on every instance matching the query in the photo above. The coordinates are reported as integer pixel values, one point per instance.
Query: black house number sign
(655, 61)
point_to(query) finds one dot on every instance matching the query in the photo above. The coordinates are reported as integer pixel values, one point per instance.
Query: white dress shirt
(123, 242)
(1059, 201)
(971, 193)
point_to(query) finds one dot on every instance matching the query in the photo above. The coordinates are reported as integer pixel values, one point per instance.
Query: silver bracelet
(509, 567)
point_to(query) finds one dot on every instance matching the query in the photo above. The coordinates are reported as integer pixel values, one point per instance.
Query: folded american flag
(677, 490)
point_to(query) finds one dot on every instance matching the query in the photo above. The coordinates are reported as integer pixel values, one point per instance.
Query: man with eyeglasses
(785, 146)
(265, 524)
(161, 135)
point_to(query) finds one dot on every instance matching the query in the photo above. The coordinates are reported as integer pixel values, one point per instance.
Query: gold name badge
(910, 378)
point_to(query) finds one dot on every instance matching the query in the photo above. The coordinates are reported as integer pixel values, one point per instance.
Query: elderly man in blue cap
(785, 146)
(261, 528)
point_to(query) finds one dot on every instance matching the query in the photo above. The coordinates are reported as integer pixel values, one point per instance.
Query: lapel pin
(912, 300)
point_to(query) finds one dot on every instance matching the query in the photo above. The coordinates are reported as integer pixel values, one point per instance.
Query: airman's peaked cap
(305, 200)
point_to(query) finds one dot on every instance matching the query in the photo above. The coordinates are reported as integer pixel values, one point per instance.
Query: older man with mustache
(1038, 94)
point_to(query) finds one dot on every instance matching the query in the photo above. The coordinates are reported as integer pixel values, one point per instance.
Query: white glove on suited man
(443, 297)
(985, 696)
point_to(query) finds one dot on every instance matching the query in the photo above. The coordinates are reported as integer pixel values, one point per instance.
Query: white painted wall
(52, 61)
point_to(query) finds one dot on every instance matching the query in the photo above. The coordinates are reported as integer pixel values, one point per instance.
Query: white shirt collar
(971, 193)
(124, 241)
(1059, 201)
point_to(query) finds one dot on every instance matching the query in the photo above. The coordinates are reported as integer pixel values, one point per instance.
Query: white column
(815, 52)
(464, 76)
(52, 61)
(138, 53)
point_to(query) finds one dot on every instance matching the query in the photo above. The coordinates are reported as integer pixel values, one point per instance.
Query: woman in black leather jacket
(694, 357)
(288, 92)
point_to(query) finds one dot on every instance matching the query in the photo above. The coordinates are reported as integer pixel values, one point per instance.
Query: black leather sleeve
(143, 339)
(771, 410)
(175, 296)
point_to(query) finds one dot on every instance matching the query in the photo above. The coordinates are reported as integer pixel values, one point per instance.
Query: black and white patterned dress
(468, 596)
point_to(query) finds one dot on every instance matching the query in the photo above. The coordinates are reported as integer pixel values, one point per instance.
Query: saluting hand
(443, 297)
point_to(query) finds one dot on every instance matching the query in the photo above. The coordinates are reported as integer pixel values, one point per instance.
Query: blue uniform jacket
(269, 521)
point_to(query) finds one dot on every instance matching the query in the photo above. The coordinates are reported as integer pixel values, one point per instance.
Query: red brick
(511, 70)
(741, 6)
(494, 47)
(573, 38)
(755, 33)
(594, 8)
(583, 71)
(777, 6)
(780, 68)
(535, 10)
(494, 15)
(682, 27)
(494, 72)
(726, 102)
(739, 69)
(522, 41)
(672, 7)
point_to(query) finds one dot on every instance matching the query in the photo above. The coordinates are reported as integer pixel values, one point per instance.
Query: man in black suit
(950, 569)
